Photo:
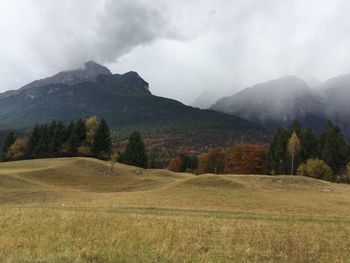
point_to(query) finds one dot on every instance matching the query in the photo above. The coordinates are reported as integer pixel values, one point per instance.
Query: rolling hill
(127, 104)
(158, 215)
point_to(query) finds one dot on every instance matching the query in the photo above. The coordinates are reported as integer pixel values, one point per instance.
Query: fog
(181, 48)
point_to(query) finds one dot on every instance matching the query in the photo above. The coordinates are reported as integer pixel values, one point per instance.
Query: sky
(182, 47)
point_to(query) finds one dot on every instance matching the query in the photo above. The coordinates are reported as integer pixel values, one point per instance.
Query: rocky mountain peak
(91, 69)
(94, 68)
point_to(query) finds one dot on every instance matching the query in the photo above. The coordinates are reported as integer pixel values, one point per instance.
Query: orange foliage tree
(241, 158)
(175, 164)
(212, 162)
(247, 159)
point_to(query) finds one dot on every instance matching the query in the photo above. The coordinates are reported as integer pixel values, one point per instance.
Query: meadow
(78, 210)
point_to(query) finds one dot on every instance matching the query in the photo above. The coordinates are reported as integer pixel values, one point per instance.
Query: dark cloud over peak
(180, 47)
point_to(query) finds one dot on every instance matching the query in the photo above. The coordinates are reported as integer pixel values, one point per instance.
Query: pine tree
(309, 145)
(57, 139)
(135, 153)
(77, 137)
(33, 144)
(102, 142)
(277, 155)
(333, 149)
(296, 128)
(10, 140)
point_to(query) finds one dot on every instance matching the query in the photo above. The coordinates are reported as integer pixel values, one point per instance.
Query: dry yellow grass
(77, 210)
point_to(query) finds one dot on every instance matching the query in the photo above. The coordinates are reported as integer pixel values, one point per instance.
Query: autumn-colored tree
(293, 149)
(18, 150)
(317, 169)
(212, 162)
(247, 159)
(91, 125)
(175, 164)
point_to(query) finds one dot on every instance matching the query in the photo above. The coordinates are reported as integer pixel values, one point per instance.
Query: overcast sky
(180, 47)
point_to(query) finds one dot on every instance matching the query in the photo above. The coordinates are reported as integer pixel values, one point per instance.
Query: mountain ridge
(127, 104)
(279, 102)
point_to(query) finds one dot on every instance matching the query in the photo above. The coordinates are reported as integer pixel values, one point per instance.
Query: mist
(182, 49)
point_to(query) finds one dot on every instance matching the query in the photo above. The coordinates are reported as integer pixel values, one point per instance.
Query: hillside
(279, 102)
(166, 216)
(56, 180)
(126, 102)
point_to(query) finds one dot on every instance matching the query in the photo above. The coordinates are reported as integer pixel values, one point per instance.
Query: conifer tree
(77, 137)
(102, 142)
(57, 139)
(135, 153)
(33, 144)
(333, 148)
(296, 128)
(277, 155)
(309, 145)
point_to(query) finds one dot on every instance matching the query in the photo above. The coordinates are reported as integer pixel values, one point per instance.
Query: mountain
(337, 92)
(277, 103)
(126, 102)
(208, 98)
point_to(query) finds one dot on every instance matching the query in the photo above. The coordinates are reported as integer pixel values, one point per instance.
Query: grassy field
(77, 210)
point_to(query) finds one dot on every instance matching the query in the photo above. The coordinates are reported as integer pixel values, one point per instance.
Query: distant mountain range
(209, 97)
(126, 102)
(279, 102)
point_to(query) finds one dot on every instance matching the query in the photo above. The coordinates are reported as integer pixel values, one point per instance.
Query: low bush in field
(317, 169)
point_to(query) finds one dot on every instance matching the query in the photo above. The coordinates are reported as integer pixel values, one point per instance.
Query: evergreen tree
(188, 162)
(77, 137)
(33, 144)
(135, 153)
(57, 139)
(102, 142)
(278, 152)
(185, 162)
(10, 140)
(333, 148)
(44, 141)
(309, 145)
(296, 128)
(53, 140)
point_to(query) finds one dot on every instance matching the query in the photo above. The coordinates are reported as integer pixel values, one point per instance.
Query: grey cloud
(113, 29)
(181, 47)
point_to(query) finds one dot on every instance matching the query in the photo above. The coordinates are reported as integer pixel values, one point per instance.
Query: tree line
(81, 138)
(240, 158)
(88, 137)
(296, 151)
(302, 151)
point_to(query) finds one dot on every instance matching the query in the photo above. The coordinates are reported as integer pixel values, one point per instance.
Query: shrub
(317, 169)
(18, 150)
